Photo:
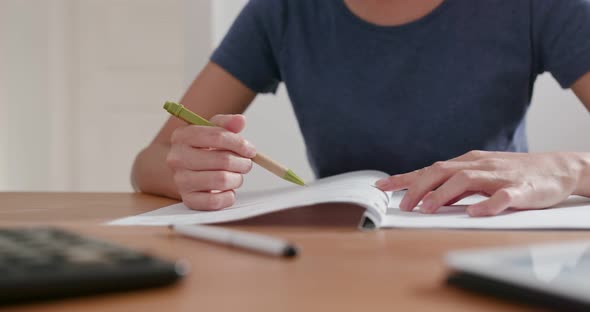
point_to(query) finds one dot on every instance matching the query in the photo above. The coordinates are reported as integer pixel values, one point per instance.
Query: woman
(435, 88)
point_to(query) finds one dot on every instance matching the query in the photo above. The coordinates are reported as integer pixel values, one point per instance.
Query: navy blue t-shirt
(399, 98)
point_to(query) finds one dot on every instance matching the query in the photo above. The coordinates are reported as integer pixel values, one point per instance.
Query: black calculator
(46, 263)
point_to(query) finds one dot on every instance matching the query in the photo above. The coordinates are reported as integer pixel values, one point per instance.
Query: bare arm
(214, 91)
(582, 90)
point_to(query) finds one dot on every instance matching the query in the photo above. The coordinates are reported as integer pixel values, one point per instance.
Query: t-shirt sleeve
(250, 49)
(561, 35)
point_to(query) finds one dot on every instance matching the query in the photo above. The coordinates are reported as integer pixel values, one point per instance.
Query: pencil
(262, 160)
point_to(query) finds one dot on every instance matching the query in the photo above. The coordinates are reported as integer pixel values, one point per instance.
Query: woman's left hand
(511, 180)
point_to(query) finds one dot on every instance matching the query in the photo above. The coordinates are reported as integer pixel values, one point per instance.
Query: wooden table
(340, 268)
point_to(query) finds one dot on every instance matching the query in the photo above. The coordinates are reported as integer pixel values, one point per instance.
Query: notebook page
(355, 187)
(574, 213)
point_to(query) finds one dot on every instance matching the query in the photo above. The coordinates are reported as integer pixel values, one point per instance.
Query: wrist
(583, 186)
(151, 175)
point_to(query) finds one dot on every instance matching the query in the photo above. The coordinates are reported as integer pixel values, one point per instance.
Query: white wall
(557, 120)
(198, 34)
(83, 83)
(24, 107)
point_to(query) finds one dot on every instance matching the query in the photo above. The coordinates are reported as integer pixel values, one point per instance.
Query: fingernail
(427, 206)
(382, 183)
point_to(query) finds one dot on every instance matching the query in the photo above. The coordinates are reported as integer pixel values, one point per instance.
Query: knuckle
(242, 146)
(180, 179)
(465, 175)
(505, 195)
(212, 202)
(475, 153)
(225, 137)
(209, 136)
(440, 167)
(173, 160)
(176, 136)
(217, 138)
(491, 163)
(225, 160)
(221, 178)
(216, 120)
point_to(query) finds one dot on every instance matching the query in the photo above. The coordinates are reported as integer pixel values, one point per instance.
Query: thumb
(233, 123)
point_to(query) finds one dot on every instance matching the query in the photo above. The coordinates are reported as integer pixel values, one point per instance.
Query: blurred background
(82, 84)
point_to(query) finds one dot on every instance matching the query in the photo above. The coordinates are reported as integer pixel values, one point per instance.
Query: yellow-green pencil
(264, 161)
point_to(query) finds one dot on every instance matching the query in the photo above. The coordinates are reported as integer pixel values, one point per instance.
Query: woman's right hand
(209, 162)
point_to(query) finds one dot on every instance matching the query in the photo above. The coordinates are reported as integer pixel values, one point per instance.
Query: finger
(193, 181)
(463, 182)
(462, 196)
(186, 157)
(498, 202)
(213, 137)
(473, 155)
(233, 123)
(432, 177)
(209, 200)
(478, 155)
(399, 181)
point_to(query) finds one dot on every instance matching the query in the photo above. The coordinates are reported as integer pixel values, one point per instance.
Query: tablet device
(553, 275)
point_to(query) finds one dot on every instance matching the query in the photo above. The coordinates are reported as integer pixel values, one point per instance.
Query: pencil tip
(293, 178)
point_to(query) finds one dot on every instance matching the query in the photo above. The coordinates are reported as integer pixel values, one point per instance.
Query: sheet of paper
(574, 213)
(355, 187)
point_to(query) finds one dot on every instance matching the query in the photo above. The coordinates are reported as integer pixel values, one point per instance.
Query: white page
(574, 213)
(355, 187)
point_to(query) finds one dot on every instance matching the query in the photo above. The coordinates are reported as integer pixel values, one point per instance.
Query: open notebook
(381, 208)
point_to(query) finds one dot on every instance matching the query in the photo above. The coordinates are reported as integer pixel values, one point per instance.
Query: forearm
(150, 173)
(583, 188)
